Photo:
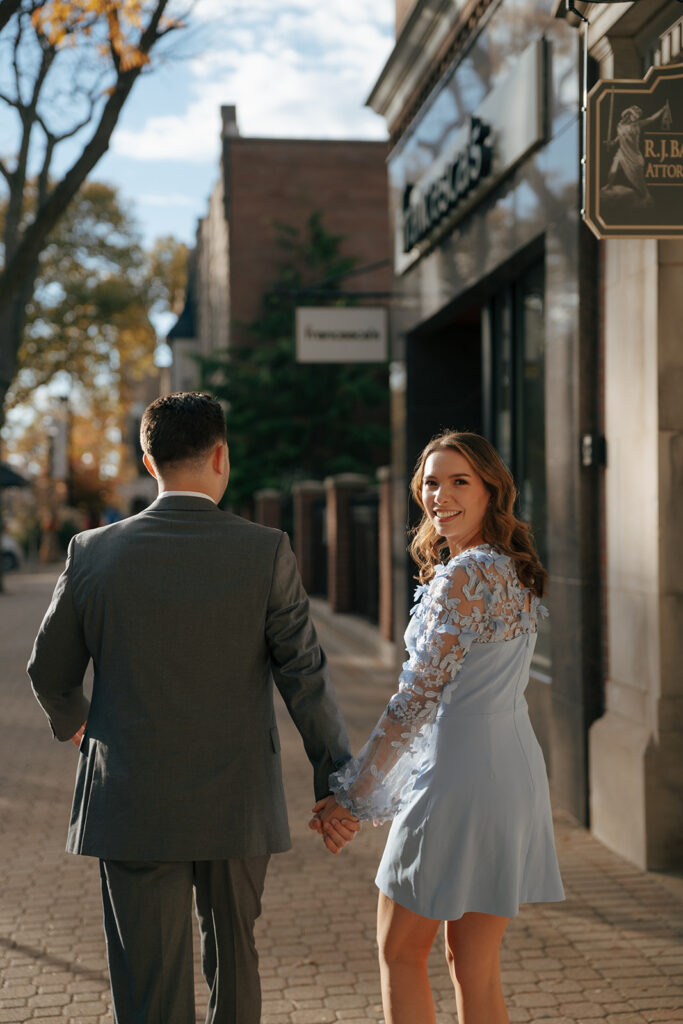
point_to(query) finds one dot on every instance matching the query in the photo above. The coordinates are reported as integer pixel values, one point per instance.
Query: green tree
(88, 318)
(167, 273)
(88, 323)
(289, 421)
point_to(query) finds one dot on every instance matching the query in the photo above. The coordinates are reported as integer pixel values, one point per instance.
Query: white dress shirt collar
(186, 494)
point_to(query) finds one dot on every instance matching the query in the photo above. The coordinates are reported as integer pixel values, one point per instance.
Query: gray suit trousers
(148, 927)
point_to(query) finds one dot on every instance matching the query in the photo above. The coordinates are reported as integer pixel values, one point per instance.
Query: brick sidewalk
(613, 952)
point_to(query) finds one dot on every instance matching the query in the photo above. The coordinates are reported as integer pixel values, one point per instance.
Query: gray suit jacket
(188, 614)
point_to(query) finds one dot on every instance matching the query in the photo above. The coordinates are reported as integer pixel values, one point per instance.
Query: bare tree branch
(5, 171)
(44, 176)
(11, 102)
(56, 139)
(30, 246)
(15, 58)
(15, 203)
(114, 30)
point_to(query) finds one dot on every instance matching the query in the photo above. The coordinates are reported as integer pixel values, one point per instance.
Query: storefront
(500, 324)
(492, 330)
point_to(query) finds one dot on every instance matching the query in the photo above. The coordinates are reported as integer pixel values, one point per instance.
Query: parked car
(12, 555)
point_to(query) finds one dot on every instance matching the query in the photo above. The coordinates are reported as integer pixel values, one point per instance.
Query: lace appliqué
(476, 597)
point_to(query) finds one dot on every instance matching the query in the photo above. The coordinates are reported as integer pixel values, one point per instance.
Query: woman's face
(455, 498)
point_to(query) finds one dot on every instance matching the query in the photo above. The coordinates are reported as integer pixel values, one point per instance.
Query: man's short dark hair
(181, 427)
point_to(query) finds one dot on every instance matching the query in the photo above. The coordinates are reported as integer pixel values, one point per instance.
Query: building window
(514, 400)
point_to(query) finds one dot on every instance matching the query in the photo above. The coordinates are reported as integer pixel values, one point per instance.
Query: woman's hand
(336, 824)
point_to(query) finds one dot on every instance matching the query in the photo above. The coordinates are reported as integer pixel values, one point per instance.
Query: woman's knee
(473, 951)
(403, 937)
(398, 946)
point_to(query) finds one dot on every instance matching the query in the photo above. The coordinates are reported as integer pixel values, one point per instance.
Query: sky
(293, 68)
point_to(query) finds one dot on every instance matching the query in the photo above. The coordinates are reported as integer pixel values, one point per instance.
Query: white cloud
(190, 136)
(293, 69)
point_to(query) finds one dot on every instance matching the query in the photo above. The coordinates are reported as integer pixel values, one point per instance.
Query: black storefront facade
(494, 320)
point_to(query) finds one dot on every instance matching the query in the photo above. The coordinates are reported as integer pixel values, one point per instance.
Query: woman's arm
(451, 616)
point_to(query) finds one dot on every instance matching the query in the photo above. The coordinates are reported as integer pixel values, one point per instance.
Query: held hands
(334, 823)
(78, 736)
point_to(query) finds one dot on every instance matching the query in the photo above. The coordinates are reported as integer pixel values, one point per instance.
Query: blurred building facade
(264, 183)
(511, 319)
(263, 186)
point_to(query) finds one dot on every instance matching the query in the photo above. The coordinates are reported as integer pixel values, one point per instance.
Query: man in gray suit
(188, 614)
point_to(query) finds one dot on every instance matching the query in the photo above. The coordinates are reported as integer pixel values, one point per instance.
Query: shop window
(514, 392)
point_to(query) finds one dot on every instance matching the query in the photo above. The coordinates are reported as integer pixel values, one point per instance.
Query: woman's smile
(445, 514)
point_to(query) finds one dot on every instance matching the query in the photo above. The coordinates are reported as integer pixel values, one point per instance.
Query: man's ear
(217, 456)
(149, 466)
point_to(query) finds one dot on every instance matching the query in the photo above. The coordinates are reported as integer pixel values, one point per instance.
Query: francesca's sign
(425, 206)
(634, 156)
(505, 126)
(341, 334)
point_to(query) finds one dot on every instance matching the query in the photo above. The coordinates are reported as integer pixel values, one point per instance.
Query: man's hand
(78, 736)
(334, 823)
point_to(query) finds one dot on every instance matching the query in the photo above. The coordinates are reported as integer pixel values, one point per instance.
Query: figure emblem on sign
(626, 177)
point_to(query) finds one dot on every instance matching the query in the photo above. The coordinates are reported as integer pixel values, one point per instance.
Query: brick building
(263, 183)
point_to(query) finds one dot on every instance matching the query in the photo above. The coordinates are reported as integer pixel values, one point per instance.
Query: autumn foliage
(62, 23)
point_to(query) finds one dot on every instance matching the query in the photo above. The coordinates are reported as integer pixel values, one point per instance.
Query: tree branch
(15, 203)
(114, 34)
(5, 172)
(15, 58)
(56, 139)
(44, 176)
(11, 102)
(33, 240)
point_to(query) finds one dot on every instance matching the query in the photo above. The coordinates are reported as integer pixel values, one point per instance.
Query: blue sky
(293, 69)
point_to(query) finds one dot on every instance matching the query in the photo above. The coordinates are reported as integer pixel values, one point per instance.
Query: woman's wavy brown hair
(501, 528)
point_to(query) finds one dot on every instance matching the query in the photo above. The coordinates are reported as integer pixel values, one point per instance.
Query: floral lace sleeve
(449, 617)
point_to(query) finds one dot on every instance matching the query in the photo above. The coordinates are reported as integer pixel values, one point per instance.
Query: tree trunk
(3, 392)
(12, 321)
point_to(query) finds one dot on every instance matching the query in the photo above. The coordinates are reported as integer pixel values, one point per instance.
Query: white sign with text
(341, 334)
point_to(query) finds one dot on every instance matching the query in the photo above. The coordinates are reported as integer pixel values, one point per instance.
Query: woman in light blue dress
(453, 762)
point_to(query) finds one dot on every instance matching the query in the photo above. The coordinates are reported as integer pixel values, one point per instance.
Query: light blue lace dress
(454, 760)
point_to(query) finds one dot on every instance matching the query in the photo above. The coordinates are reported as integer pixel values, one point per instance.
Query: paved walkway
(613, 952)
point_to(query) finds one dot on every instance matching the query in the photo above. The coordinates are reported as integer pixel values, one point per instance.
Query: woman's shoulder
(483, 561)
(475, 569)
(481, 568)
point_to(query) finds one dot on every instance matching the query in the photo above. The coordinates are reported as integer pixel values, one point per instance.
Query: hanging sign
(634, 156)
(341, 334)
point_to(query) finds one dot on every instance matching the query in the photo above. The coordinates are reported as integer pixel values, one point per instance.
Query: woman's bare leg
(404, 941)
(473, 955)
